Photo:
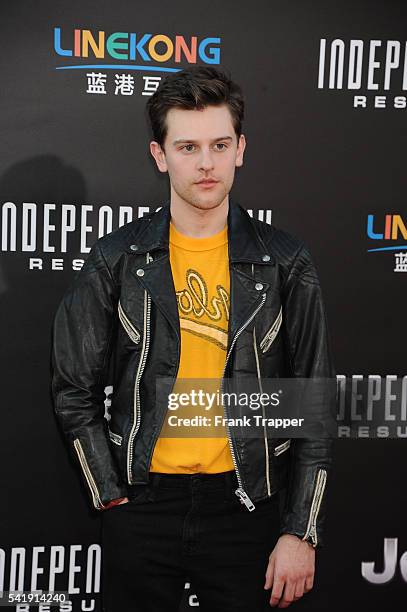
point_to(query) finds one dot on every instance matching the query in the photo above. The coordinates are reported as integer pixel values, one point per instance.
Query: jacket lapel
(244, 298)
(158, 281)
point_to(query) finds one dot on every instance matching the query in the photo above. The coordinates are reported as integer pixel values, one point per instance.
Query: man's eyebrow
(181, 140)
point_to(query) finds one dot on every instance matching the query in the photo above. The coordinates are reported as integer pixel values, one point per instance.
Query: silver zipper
(272, 332)
(282, 447)
(97, 502)
(131, 331)
(240, 492)
(266, 444)
(311, 531)
(142, 363)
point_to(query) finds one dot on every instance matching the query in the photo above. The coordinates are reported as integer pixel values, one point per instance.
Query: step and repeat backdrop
(326, 101)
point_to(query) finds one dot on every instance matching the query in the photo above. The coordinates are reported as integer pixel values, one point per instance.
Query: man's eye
(186, 146)
(221, 144)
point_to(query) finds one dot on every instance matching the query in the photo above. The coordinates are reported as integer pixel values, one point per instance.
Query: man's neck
(198, 223)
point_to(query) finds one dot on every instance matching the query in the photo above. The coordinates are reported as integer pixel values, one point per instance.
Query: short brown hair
(194, 88)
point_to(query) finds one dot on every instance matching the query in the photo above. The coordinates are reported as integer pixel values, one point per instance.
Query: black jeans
(187, 528)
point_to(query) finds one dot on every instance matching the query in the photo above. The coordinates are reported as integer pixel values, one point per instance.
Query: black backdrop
(321, 157)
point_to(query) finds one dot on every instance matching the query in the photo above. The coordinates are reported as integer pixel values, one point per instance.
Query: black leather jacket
(120, 316)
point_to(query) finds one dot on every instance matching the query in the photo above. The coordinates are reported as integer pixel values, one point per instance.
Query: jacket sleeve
(82, 335)
(309, 353)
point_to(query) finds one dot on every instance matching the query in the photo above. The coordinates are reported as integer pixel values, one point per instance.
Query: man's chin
(208, 202)
(208, 205)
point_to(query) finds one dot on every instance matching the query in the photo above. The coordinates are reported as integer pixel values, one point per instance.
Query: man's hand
(290, 570)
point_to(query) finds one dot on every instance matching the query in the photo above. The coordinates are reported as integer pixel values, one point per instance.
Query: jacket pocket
(272, 332)
(282, 447)
(115, 438)
(128, 326)
(97, 502)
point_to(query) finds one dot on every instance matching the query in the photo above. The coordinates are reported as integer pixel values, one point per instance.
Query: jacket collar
(244, 242)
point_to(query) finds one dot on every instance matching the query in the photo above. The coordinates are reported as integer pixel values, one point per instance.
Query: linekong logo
(391, 228)
(134, 47)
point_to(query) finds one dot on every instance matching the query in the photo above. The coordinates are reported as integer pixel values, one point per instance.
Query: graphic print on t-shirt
(194, 302)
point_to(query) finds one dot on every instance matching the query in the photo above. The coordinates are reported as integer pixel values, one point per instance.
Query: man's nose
(206, 159)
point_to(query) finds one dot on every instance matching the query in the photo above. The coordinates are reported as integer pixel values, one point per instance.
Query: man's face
(200, 144)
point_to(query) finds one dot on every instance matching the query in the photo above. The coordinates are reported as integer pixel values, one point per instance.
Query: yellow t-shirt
(200, 270)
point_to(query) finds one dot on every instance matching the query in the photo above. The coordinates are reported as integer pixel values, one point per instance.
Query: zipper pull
(313, 535)
(245, 499)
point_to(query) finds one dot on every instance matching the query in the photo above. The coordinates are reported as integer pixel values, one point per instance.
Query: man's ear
(240, 150)
(159, 156)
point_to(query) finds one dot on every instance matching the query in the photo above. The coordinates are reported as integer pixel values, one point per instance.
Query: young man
(197, 290)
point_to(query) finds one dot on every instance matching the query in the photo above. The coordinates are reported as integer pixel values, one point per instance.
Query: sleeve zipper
(311, 531)
(97, 502)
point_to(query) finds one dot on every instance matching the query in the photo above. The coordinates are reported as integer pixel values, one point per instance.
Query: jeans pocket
(140, 494)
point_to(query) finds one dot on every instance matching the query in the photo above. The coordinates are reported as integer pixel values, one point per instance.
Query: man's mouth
(207, 182)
